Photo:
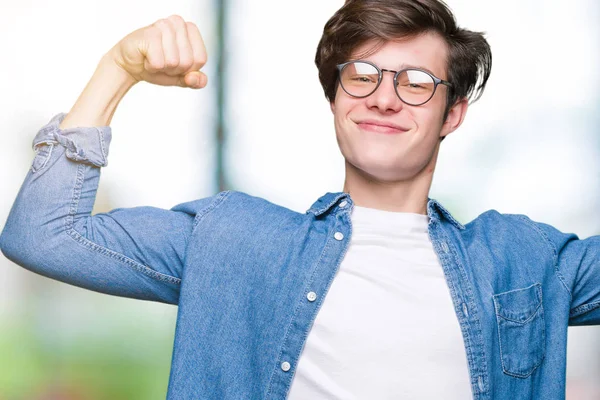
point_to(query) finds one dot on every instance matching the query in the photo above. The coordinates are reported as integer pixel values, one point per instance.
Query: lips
(381, 127)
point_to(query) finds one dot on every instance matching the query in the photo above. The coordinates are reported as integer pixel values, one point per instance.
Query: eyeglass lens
(360, 79)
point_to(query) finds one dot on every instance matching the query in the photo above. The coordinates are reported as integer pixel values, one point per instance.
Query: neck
(402, 195)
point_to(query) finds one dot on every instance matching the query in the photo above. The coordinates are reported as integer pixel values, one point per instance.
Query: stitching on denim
(500, 341)
(468, 338)
(549, 242)
(538, 286)
(474, 314)
(216, 202)
(585, 308)
(331, 203)
(472, 306)
(73, 234)
(293, 317)
(447, 214)
(45, 130)
(518, 290)
(522, 376)
(504, 368)
(453, 293)
(119, 257)
(344, 213)
(102, 146)
(295, 313)
(33, 170)
(516, 374)
(323, 209)
(533, 314)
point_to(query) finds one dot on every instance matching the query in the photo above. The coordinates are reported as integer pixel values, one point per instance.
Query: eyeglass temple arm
(445, 82)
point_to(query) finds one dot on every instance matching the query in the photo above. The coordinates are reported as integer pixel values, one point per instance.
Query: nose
(384, 99)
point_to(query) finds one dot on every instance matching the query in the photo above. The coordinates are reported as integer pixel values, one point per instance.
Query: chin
(385, 172)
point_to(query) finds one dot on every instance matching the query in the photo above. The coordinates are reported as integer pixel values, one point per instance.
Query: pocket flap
(519, 305)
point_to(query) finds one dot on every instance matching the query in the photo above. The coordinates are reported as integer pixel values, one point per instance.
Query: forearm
(98, 102)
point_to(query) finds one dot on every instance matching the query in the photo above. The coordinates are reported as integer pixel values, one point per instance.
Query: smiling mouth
(381, 128)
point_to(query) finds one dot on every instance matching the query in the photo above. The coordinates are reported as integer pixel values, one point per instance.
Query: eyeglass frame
(437, 81)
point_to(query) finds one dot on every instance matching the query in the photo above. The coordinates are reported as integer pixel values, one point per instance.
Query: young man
(375, 292)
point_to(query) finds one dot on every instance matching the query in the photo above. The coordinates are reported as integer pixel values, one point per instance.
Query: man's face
(381, 136)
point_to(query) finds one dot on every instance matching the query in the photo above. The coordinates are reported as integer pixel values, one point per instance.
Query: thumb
(194, 80)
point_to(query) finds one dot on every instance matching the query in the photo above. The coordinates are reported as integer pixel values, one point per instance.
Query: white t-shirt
(387, 328)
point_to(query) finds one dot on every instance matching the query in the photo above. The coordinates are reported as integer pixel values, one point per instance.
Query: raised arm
(577, 261)
(134, 252)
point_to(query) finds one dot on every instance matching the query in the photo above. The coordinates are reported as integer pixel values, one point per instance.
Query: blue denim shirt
(240, 269)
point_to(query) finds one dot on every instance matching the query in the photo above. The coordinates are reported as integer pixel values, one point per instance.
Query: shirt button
(285, 366)
(311, 296)
(445, 247)
(343, 204)
(338, 236)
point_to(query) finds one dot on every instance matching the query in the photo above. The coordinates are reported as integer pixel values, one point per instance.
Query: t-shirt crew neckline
(393, 222)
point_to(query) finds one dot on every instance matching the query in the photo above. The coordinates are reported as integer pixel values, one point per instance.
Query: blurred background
(531, 145)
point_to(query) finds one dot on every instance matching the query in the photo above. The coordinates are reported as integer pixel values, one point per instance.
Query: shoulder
(495, 216)
(235, 204)
(517, 228)
(492, 219)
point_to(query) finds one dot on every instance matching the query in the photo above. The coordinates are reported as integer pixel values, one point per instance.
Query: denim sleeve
(136, 252)
(577, 263)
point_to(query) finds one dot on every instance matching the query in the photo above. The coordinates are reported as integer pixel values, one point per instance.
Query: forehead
(428, 51)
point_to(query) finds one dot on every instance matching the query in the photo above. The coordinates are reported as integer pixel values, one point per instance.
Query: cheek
(428, 119)
(436, 111)
(344, 104)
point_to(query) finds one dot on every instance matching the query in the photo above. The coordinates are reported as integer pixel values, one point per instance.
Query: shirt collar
(435, 210)
(327, 201)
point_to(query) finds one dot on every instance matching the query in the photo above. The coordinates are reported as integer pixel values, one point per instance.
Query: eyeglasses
(413, 86)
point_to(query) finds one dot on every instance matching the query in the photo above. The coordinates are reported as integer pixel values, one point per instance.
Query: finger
(153, 52)
(198, 48)
(186, 56)
(195, 80)
(169, 44)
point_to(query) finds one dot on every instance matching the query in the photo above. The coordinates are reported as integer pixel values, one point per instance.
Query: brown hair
(469, 55)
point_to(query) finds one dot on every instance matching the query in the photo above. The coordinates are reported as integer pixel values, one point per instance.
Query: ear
(332, 107)
(455, 117)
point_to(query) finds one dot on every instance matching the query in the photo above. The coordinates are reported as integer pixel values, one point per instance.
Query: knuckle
(172, 63)
(191, 25)
(177, 20)
(200, 60)
(153, 33)
(186, 63)
(161, 23)
(156, 66)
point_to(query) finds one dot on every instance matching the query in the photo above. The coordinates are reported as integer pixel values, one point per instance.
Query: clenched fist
(170, 52)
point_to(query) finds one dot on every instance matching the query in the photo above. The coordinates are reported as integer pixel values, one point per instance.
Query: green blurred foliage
(131, 364)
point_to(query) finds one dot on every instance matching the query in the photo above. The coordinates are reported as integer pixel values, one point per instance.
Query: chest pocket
(521, 330)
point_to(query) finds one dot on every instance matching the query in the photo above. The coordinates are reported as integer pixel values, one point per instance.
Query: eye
(412, 86)
(363, 79)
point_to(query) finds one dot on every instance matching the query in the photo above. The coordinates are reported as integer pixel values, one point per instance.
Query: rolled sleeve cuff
(83, 144)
